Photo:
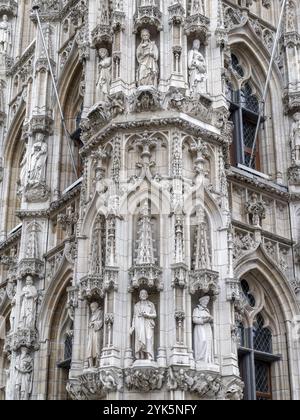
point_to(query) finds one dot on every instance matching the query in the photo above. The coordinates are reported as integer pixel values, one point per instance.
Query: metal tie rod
(268, 80)
(36, 10)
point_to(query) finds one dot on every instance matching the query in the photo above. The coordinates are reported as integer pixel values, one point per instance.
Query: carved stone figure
(197, 70)
(37, 172)
(24, 368)
(104, 74)
(143, 324)
(12, 316)
(147, 57)
(9, 392)
(203, 335)
(5, 34)
(28, 306)
(295, 138)
(23, 170)
(94, 335)
(290, 17)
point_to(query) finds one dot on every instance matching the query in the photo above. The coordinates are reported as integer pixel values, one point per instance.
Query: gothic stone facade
(149, 249)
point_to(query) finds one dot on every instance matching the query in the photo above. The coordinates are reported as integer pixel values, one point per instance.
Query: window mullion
(240, 143)
(252, 387)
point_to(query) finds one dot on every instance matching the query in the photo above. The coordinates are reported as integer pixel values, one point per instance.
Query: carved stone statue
(24, 368)
(37, 172)
(295, 138)
(23, 170)
(147, 57)
(9, 391)
(12, 316)
(197, 70)
(290, 17)
(104, 74)
(94, 335)
(203, 335)
(28, 306)
(143, 324)
(5, 34)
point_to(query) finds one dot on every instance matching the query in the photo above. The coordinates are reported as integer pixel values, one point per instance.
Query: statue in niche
(295, 138)
(28, 304)
(37, 171)
(104, 74)
(143, 324)
(5, 35)
(12, 316)
(23, 170)
(94, 335)
(203, 334)
(24, 368)
(147, 57)
(9, 392)
(290, 17)
(197, 70)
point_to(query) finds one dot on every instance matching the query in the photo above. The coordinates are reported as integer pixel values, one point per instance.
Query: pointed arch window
(256, 355)
(245, 109)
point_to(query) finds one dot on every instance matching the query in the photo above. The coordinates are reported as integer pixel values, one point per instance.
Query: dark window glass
(236, 65)
(68, 347)
(262, 336)
(263, 381)
(246, 290)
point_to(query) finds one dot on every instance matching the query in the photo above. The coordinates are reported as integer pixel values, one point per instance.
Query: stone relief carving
(256, 209)
(207, 385)
(95, 385)
(94, 335)
(203, 334)
(104, 74)
(144, 379)
(147, 56)
(143, 325)
(197, 70)
(234, 390)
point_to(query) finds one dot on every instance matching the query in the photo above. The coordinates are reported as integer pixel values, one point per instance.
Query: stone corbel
(205, 384)
(95, 385)
(23, 337)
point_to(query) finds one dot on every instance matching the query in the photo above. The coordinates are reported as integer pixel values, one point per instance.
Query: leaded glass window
(246, 290)
(256, 356)
(262, 336)
(263, 381)
(68, 347)
(245, 110)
